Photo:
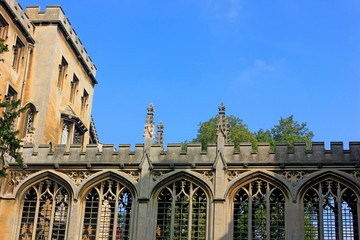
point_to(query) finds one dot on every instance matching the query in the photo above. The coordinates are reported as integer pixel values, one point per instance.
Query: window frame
(63, 68)
(315, 184)
(209, 205)
(133, 216)
(18, 52)
(37, 210)
(237, 187)
(4, 29)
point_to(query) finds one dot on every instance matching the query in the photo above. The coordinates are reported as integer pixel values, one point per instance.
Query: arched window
(107, 212)
(331, 212)
(182, 208)
(45, 212)
(259, 212)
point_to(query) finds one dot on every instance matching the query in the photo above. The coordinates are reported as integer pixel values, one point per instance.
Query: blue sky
(263, 59)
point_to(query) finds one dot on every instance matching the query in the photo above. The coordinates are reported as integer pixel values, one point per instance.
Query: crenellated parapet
(55, 15)
(108, 154)
(21, 18)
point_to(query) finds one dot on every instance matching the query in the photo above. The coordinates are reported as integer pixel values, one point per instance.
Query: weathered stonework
(95, 191)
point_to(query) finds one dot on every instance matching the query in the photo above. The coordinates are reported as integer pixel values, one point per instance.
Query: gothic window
(107, 212)
(9, 97)
(3, 28)
(17, 54)
(74, 85)
(11, 94)
(65, 133)
(331, 212)
(84, 102)
(259, 212)
(182, 208)
(78, 136)
(45, 212)
(62, 72)
(27, 125)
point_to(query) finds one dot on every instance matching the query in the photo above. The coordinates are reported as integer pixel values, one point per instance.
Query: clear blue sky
(263, 59)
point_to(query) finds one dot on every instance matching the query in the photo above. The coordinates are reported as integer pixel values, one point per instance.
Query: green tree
(239, 132)
(3, 46)
(291, 131)
(288, 130)
(9, 143)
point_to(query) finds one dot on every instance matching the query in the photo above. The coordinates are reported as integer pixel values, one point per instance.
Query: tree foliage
(3, 46)
(9, 143)
(239, 131)
(288, 130)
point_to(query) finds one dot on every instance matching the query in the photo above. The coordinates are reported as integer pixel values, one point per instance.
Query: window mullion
(173, 193)
(36, 212)
(116, 209)
(338, 203)
(267, 212)
(321, 219)
(250, 234)
(99, 210)
(190, 211)
(52, 216)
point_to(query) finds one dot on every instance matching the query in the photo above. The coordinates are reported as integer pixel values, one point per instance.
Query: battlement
(107, 154)
(55, 14)
(21, 18)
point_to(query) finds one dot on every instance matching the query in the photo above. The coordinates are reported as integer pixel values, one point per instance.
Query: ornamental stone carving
(134, 174)
(294, 176)
(231, 174)
(78, 176)
(158, 174)
(14, 178)
(207, 174)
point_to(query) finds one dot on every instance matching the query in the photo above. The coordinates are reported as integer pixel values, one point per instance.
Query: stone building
(49, 70)
(68, 191)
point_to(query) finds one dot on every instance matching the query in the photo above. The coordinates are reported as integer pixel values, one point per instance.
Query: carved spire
(160, 135)
(149, 126)
(223, 126)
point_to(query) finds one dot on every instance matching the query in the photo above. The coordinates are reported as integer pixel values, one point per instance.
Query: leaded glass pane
(330, 211)
(182, 208)
(259, 212)
(45, 212)
(107, 212)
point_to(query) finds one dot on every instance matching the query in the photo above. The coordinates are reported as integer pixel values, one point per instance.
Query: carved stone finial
(223, 126)
(222, 108)
(160, 135)
(149, 126)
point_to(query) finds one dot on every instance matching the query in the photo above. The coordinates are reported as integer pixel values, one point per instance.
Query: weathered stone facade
(219, 172)
(48, 69)
(67, 191)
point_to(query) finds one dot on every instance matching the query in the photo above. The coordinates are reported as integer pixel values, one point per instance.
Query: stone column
(75, 227)
(293, 220)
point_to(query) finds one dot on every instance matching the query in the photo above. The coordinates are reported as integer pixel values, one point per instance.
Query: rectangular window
(11, 94)
(74, 85)
(62, 72)
(3, 28)
(84, 102)
(18, 49)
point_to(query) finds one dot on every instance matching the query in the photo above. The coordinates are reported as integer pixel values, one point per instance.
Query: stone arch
(261, 175)
(187, 175)
(108, 193)
(334, 175)
(180, 184)
(323, 193)
(28, 115)
(105, 175)
(43, 175)
(259, 195)
(48, 195)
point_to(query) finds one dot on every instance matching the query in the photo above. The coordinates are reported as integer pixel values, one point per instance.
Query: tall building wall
(50, 71)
